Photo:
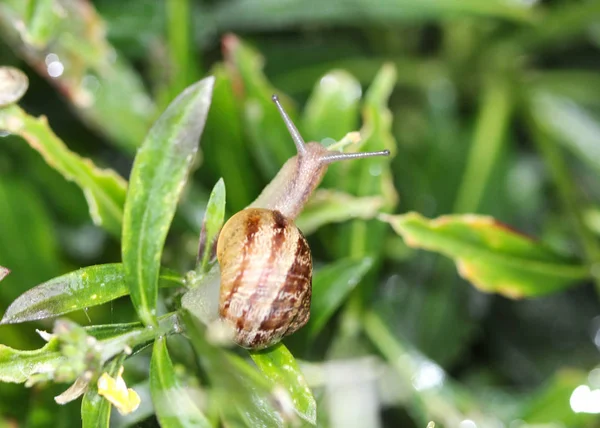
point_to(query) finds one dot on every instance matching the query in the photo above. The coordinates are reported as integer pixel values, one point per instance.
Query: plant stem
(440, 402)
(490, 131)
(568, 195)
(180, 49)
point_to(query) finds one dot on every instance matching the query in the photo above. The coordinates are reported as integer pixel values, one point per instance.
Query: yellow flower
(126, 400)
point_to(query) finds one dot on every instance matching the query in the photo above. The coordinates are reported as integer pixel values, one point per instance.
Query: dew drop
(54, 66)
(13, 84)
(375, 170)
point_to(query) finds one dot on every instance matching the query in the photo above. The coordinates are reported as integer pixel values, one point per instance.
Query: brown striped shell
(266, 277)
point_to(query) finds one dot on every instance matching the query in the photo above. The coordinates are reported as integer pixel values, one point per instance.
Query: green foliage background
(489, 107)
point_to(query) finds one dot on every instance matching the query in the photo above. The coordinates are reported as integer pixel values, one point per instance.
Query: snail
(265, 261)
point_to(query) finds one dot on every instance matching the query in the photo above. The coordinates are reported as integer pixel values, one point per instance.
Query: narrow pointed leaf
(95, 409)
(211, 226)
(372, 176)
(332, 109)
(173, 405)
(579, 86)
(26, 224)
(330, 206)
(241, 391)
(269, 138)
(490, 255)
(566, 398)
(80, 289)
(331, 286)
(159, 173)
(270, 14)
(279, 365)
(224, 135)
(18, 366)
(559, 25)
(432, 396)
(103, 189)
(492, 124)
(577, 128)
(114, 339)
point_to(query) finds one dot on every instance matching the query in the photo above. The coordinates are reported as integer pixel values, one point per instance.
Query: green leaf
(3, 272)
(18, 366)
(95, 409)
(332, 109)
(331, 112)
(270, 14)
(240, 391)
(259, 403)
(130, 337)
(104, 189)
(172, 404)
(159, 173)
(569, 194)
(111, 331)
(211, 226)
(232, 161)
(562, 399)
(330, 206)
(105, 91)
(141, 414)
(80, 289)
(331, 287)
(279, 365)
(559, 25)
(492, 123)
(376, 134)
(490, 255)
(577, 129)
(41, 18)
(427, 390)
(591, 218)
(579, 86)
(180, 70)
(28, 238)
(371, 176)
(270, 140)
(414, 72)
(69, 352)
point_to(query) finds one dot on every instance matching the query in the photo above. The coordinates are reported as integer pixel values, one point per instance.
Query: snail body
(265, 261)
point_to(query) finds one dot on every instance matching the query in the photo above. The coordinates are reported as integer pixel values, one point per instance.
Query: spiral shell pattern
(266, 277)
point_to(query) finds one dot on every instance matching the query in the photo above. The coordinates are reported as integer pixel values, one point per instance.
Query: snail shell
(266, 277)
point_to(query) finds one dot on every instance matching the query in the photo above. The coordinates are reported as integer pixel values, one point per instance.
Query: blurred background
(490, 107)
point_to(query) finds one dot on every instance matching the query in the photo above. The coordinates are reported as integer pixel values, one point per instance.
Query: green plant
(379, 305)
